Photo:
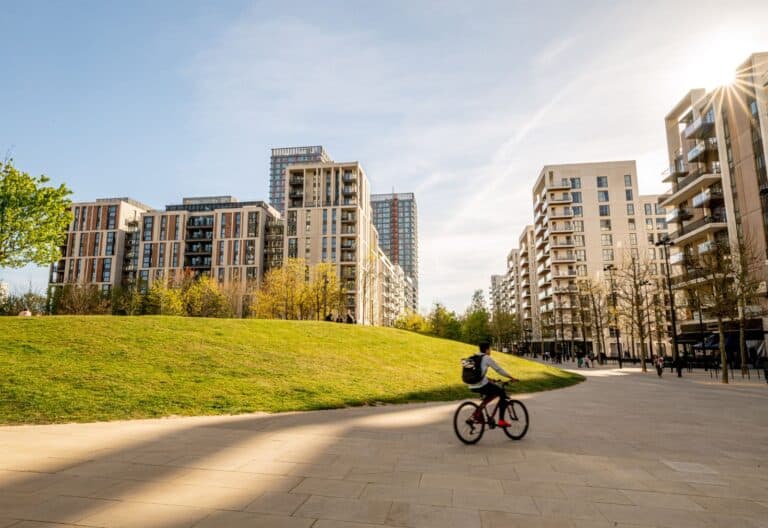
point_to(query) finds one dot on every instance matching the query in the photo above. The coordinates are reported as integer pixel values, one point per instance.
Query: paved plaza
(620, 450)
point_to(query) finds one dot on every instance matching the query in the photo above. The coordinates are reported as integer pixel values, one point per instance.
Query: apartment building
(498, 294)
(717, 153)
(95, 247)
(392, 290)
(328, 219)
(215, 236)
(527, 285)
(280, 160)
(395, 216)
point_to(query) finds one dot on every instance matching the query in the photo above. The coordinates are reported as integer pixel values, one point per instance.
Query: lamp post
(609, 269)
(665, 242)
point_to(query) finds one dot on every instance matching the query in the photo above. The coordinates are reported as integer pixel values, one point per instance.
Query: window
(578, 211)
(325, 221)
(649, 224)
(81, 248)
(581, 255)
(634, 253)
(633, 239)
(648, 209)
(581, 270)
(605, 225)
(292, 223)
(96, 244)
(146, 261)
(333, 222)
(324, 257)
(607, 255)
(605, 210)
(606, 240)
(602, 196)
(161, 255)
(236, 253)
(293, 250)
(143, 280)
(147, 228)
(578, 240)
(576, 197)
(253, 224)
(307, 247)
(628, 194)
(220, 255)
(661, 224)
(163, 227)
(111, 216)
(602, 181)
(221, 275)
(630, 209)
(176, 228)
(627, 180)
(661, 211)
(175, 257)
(652, 253)
(575, 183)
(223, 225)
(98, 217)
(631, 224)
(250, 252)
(109, 249)
(654, 268)
(333, 248)
(578, 226)
(650, 238)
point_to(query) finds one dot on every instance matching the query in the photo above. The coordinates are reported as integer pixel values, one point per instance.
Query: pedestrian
(660, 365)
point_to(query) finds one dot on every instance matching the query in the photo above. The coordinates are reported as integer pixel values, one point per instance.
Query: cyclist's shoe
(503, 423)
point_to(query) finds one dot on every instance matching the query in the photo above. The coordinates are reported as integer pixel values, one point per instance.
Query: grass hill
(67, 368)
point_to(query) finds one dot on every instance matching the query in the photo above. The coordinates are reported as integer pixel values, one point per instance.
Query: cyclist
(487, 388)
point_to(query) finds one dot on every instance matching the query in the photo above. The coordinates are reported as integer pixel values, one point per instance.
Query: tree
(717, 291)
(412, 321)
(444, 323)
(475, 327)
(33, 218)
(632, 278)
(748, 273)
(203, 299)
(504, 328)
(162, 299)
(324, 292)
(76, 299)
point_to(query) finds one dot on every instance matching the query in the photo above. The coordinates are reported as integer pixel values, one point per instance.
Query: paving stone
(405, 478)
(480, 500)
(452, 481)
(567, 508)
(277, 503)
(424, 516)
(409, 494)
(357, 510)
(495, 519)
(252, 520)
(662, 500)
(329, 487)
(532, 489)
(144, 515)
(594, 494)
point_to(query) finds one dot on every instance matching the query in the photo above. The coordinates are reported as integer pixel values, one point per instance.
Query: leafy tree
(444, 323)
(127, 300)
(203, 299)
(33, 218)
(164, 300)
(76, 299)
(475, 327)
(413, 321)
(15, 304)
(505, 328)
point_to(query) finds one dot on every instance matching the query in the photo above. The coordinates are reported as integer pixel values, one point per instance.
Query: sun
(713, 61)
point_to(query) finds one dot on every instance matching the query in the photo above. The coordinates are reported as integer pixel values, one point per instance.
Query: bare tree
(748, 274)
(632, 277)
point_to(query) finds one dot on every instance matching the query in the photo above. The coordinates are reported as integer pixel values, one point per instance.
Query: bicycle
(470, 419)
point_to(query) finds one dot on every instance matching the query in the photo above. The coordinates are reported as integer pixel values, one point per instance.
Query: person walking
(659, 365)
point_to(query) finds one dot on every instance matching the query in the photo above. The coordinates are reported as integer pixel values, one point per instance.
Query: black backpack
(472, 369)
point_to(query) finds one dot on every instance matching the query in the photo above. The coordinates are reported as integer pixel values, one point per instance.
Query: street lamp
(665, 242)
(609, 269)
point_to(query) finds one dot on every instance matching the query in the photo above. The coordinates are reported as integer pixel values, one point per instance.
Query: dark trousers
(490, 391)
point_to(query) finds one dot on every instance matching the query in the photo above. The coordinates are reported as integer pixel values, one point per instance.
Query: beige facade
(717, 152)
(328, 219)
(212, 236)
(93, 253)
(527, 285)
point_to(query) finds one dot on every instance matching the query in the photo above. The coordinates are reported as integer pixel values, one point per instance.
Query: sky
(460, 102)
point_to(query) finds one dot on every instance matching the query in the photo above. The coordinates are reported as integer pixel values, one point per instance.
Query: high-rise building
(98, 239)
(281, 159)
(328, 219)
(717, 148)
(528, 287)
(396, 219)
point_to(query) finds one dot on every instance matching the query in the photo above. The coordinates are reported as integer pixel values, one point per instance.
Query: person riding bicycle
(487, 388)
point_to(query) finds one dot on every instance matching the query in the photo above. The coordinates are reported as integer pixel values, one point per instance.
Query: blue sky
(460, 102)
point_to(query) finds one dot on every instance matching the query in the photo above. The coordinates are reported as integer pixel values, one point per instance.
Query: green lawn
(65, 369)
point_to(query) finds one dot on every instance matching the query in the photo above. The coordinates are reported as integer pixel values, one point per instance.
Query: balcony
(564, 274)
(563, 214)
(348, 244)
(677, 258)
(349, 189)
(566, 290)
(706, 247)
(543, 282)
(703, 199)
(567, 258)
(546, 294)
(676, 169)
(542, 255)
(348, 230)
(699, 227)
(297, 180)
(701, 148)
(679, 214)
(567, 227)
(537, 205)
(564, 198)
(542, 268)
(296, 193)
(559, 185)
(541, 242)
(701, 127)
(540, 229)
(567, 243)
(349, 201)
(685, 188)
(349, 177)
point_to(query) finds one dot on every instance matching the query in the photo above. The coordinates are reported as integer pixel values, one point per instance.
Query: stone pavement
(620, 450)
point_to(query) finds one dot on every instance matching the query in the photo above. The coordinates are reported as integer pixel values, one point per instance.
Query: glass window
(634, 253)
(236, 253)
(110, 245)
(146, 261)
(652, 253)
(578, 226)
(602, 196)
(602, 181)
(575, 183)
(661, 224)
(633, 239)
(325, 221)
(628, 194)
(578, 211)
(627, 180)
(605, 210)
(293, 249)
(578, 240)
(606, 240)
(605, 225)
(648, 209)
(576, 197)
(631, 224)
(147, 228)
(220, 255)
(111, 216)
(630, 209)
(649, 224)
(253, 224)
(607, 255)
(161, 255)
(250, 252)
(661, 211)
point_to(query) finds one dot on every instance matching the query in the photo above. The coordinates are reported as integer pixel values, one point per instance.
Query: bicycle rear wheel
(517, 416)
(466, 424)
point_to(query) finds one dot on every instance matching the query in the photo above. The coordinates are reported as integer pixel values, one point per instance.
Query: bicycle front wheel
(517, 416)
(468, 423)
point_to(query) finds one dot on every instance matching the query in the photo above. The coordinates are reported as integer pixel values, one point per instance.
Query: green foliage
(505, 328)
(75, 299)
(15, 304)
(444, 323)
(475, 326)
(74, 368)
(413, 322)
(33, 218)
(163, 300)
(204, 299)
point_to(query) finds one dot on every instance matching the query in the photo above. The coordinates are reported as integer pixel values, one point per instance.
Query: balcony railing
(679, 214)
(568, 257)
(563, 198)
(701, 127)
(704, 198)
(701, 147)
(563, 183)
(689, 228)
(563, 243)
(562, 228)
